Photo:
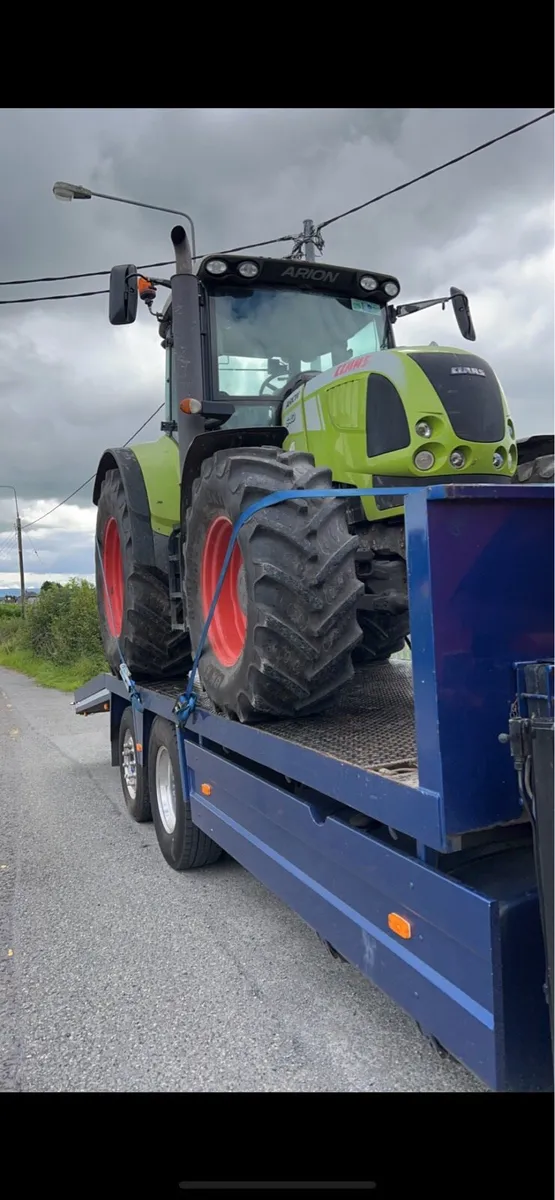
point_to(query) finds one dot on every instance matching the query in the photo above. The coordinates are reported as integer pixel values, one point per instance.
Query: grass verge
(49, 674)
(58, 644)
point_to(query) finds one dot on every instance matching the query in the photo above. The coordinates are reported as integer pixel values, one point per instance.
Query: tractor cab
(276, 322)
(251, 330)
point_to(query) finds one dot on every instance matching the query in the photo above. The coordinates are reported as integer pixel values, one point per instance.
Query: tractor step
(174, 581)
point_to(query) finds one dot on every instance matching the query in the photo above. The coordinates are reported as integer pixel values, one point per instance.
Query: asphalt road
(119, 975)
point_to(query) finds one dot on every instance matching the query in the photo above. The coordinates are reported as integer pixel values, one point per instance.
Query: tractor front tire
(285, 626)
(385, 623)
(133, 599)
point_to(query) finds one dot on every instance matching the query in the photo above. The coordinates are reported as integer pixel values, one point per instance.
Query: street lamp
(75, 191)
(11, 488)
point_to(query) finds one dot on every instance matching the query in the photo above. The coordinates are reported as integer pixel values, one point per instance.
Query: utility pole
(308, 234)
(308, 242)
(21, 567)
(11, 488)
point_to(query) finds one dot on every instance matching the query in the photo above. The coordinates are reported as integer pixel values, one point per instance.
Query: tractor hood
(456, 381)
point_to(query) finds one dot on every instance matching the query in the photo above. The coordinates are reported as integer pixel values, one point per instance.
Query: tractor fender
(125, 461)
(206, 444)
(534, 447)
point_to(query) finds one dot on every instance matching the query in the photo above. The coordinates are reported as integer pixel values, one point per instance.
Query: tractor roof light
(368, 283)
(391, 288)
(457, 458)
(498, 459)
(216, 266)
(249, 270)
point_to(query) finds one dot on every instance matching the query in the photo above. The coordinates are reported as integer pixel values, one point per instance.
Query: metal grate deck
(371, 726)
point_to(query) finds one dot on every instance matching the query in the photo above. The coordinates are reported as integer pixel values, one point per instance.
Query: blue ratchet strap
(124, 671)
(185, 704)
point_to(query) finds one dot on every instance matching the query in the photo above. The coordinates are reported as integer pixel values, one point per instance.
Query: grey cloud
(70, 385)
(57, 553)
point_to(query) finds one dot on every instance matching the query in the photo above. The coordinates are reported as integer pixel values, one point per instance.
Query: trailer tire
(184, 846)
(285, 627)
(136, 796)
(133, 599)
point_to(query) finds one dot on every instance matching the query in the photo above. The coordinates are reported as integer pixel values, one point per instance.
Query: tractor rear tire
(133, 600)
(540, 470)
(285, 626)
(386, 625)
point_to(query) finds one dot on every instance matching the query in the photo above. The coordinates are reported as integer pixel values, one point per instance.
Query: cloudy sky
(70, 385)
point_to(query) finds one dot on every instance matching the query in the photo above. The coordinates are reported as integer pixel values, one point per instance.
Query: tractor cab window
(266, 335)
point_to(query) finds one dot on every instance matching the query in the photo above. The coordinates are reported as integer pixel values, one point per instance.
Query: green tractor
(281, 375)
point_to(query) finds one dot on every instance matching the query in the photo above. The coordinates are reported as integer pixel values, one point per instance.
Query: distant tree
(48, 583)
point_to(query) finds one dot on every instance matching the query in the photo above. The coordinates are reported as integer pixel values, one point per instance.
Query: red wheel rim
(228, 628)
(113, 578)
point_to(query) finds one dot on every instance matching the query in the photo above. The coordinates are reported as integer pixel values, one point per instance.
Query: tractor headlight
(248, 270)
(457, 458)
(498, 459)
(423, 429)
(391, 288)
(368, 283)
(216, 266)
(424, 460)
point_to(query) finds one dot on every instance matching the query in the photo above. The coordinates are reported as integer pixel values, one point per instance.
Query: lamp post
(75, 191)
(11, 488)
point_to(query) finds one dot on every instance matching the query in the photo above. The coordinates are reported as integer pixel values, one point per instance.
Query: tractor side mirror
(463, 318)
(123, 294)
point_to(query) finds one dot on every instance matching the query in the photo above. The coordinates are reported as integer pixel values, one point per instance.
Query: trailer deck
(371, 727)
(393, 824)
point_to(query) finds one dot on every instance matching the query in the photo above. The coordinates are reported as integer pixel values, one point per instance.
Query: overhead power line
(66, 296)
(8, 547)
(252, 246)
(32, 544)
(60, 503)
(434, 170)
(271, 241)
(145, 267)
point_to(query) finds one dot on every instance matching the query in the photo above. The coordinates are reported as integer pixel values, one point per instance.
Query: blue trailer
(396, 824)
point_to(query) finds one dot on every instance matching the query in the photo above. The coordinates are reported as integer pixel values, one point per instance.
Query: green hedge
(9, 612)
(62, 624)
(58, 643)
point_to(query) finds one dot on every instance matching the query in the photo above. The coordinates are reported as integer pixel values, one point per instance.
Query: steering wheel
(268, 383)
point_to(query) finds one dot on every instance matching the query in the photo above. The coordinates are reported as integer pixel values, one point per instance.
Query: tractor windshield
(266, 335)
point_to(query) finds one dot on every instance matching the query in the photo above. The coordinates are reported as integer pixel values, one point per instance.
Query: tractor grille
(469, 392)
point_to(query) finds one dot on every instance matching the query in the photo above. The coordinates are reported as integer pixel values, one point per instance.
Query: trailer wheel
(133, 778)
(282, 636)
(133, 600)
(182, 843)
